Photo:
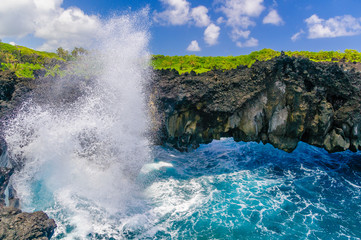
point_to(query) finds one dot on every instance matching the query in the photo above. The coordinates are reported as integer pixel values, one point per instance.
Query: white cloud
(273, 18)
(239, 12)
(193, 47)
(252, 42)
(70, 28)
(12, 43)
(16, 18)
(211, 34)
(46, 19)
(333, 27)
(200, 16)
(176, 13)
(179, 12)
(297, 35)
(236, 34)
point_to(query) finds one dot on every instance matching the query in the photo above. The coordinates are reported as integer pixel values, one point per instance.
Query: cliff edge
(281, 101)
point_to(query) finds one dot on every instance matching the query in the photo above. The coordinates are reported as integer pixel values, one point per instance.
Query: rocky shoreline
(18, 225)
(281, 101)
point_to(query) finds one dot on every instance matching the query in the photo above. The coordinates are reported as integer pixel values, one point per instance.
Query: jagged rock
(13, 91)
(17, 225)
(336, 141)
(281, 101)
(7, 85)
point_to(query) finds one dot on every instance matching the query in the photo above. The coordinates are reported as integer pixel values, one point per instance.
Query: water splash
(83, 156)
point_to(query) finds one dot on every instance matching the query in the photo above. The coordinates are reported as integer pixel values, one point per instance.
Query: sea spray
(79, 159)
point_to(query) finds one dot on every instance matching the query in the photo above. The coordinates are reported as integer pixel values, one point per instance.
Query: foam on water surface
(229, 190)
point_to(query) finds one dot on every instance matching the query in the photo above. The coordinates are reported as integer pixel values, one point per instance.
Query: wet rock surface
(5, 174)
(281, 102)
(17, 225)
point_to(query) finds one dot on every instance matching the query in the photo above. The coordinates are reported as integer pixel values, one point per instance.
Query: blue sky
(180, 27)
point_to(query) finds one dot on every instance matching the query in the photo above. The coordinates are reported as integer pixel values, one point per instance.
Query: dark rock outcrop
(17, 225)
(13, 92)
(281, 101)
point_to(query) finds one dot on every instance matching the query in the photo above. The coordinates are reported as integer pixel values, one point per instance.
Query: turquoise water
(226, 190)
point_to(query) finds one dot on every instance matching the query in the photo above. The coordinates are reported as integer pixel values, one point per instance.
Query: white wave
(147, 168)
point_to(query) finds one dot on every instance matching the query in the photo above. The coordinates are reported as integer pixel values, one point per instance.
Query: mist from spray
(82, 156)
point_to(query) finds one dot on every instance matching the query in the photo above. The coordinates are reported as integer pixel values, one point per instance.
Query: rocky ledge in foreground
(281, 101)
(15, 224)
(18, 225)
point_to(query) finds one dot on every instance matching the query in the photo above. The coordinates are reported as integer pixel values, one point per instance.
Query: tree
(63, 53)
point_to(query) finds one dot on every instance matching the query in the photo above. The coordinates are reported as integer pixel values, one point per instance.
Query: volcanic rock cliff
(281, 101)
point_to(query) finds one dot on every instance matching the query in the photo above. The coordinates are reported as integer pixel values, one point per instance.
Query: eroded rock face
(281, 101)
(13, 91)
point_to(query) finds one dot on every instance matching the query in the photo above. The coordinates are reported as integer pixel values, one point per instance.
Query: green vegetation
(64, 54)
(203, 64)
(328, 56)
(24, 61)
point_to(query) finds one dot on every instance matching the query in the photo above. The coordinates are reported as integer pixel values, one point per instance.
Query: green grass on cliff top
(24, 61)
(204, 64)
